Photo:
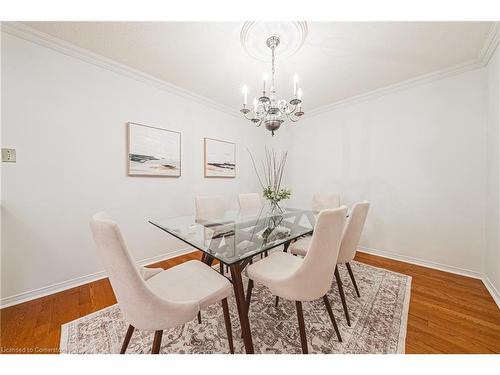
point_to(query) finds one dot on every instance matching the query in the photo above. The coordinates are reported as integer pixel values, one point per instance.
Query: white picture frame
(220, 158)
(152, 151)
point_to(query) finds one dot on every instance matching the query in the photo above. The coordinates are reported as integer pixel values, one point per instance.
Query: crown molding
(488, 49)
(30, 34)
(399, 86)
(490, 44)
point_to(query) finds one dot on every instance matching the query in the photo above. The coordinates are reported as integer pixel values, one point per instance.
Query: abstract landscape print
(220, 158)
(153, 151)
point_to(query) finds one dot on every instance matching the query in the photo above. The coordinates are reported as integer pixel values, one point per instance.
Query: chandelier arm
(245, 116)
(288, 113)
(292, 117)
(289, 116)
(267, 111)
(266, 106)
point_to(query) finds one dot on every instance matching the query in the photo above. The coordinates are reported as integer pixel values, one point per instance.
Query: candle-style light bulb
(244, 90)
(264, 79)
(295, 85)
(299, 96)
(255, 104)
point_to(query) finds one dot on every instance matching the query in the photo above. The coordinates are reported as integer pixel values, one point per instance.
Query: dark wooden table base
(236, 269)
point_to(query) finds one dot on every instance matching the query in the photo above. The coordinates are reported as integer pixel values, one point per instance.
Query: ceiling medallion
(291, 34)
(267, 108)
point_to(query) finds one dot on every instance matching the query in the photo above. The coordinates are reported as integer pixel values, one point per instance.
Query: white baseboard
(422, 262)
(437, 266)
(492, 290)
(72, 283)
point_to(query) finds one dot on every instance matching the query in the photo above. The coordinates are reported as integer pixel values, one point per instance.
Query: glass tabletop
(233, 236)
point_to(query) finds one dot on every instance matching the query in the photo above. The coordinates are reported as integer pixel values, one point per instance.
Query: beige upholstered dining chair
(250, 204)
(157, 299)
(209, 206)
(323, 201)
(250, 201)
(304, 279)
(348, 247)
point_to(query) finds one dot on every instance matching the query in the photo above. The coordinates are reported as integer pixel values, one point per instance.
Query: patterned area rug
(378, 323)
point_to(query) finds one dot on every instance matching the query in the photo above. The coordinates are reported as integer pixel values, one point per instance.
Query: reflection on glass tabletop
(236, 235)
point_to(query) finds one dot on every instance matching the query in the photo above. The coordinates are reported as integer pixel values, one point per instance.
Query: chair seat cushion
(276, 266)
(300, 246)
(190, 281)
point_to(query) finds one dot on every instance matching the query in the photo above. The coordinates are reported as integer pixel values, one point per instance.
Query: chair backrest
(323, 201)
(352, 232)
(139, 305)
(209, 207)
(250, 201)
(314, 277)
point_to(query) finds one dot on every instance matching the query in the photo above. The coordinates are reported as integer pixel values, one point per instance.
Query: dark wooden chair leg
(342, 296)
(127, 338)
(221, 268)
(199, 317)
(332, 318)
(157, 342)
(227, 321)
(302, 327)
(352, 278)
(276, 302)
(249, 293)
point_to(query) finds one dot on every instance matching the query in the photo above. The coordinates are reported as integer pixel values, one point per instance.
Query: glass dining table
(234, 238)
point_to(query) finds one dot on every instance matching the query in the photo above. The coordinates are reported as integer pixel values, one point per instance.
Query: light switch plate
(8, 155)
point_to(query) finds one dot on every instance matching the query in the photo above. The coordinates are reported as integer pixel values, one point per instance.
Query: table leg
(285, 246)
(239, 294)
(207, 259)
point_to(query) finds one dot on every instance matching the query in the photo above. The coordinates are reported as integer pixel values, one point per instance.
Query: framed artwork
(153, 151)
(220, 158)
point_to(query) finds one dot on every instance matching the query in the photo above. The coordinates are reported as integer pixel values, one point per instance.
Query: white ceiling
(338, 60)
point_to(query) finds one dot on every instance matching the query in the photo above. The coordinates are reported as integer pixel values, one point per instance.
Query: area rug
(378, 323)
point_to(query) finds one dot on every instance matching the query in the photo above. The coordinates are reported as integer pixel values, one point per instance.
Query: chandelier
(268, 109)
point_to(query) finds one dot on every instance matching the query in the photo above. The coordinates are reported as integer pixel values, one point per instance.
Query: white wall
(425, 157)
(492, 254)
(417, 155)
(66, 118)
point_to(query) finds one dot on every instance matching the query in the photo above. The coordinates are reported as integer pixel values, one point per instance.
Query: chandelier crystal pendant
(268, 109)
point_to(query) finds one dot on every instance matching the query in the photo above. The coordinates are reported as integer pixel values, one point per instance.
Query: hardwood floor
(448, 313)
